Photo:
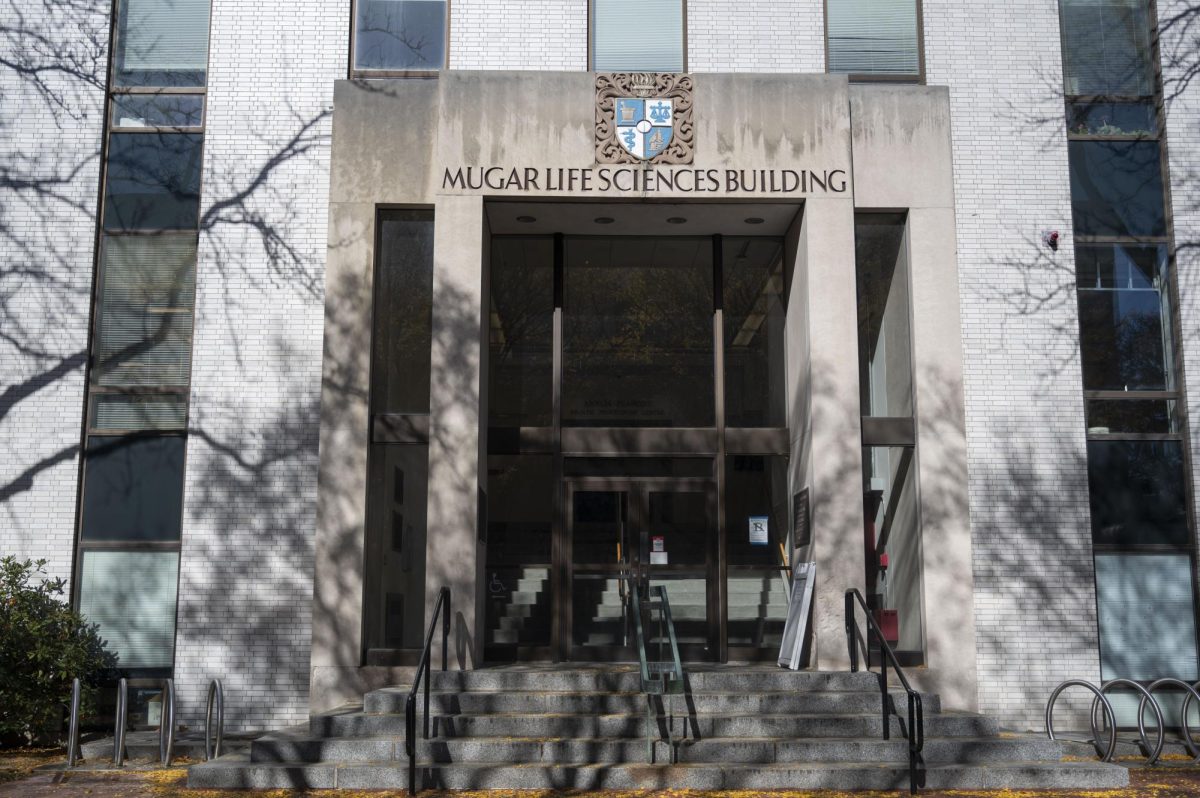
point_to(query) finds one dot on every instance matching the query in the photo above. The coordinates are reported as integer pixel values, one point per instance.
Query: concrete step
(299, 747)
(236, 771)
(349, 722)
(825, 702)
(625, 678)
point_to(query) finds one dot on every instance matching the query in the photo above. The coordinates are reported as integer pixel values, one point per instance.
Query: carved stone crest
(644, 117)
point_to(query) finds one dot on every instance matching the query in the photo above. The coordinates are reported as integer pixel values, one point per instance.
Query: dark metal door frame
(635, 560)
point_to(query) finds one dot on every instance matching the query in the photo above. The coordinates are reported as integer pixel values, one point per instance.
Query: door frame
(639, 490)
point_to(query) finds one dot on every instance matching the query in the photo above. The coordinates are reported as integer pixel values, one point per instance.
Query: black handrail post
(410, 729)
(446, 630)
(850, 633)
(442, 605)
(887, 722)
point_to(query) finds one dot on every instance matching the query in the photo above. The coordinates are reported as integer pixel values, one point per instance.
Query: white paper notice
(758, 530)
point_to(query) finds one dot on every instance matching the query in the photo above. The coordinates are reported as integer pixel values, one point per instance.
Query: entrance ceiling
(641, 218)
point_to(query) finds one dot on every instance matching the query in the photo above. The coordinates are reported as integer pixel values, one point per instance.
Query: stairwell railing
(915, 731)
(663, 676)
(442, 606)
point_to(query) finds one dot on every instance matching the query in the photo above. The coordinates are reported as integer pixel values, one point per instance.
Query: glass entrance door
(624, 535)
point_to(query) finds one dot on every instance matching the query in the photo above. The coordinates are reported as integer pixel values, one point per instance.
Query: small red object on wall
(889, 624)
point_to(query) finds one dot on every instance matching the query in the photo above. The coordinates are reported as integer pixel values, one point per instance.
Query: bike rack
(1192, 691)
(1105, 754)
(73, 726)
(1150, 754)
(122, 717)
(216, 695)
(166, 727)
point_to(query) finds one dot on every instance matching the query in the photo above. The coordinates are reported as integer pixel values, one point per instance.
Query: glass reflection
(638, 332)
(1116, 188)
(521, 333)
(153, 181)
(403, 329)
(1137, 492)
(884, 351)
(157, 110)
(894, 532)
(400, 34)
(1124, 342)
(752, 298)
(1106, 47)
(133, 488)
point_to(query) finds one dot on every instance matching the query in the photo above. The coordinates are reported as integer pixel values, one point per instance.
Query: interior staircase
(745, 727)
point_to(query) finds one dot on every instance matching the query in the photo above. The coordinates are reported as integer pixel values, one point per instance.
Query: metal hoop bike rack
(1151, 754)
(1191, 691)
(122, 717)
(216, 699)
(166, 727)
(73, 724)
(1146, 696)
(1105, 753)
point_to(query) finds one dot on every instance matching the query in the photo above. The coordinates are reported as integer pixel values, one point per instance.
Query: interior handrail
(916, 712)
(442, 605)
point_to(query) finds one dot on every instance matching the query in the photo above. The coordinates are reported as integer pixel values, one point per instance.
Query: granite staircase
(737, 727)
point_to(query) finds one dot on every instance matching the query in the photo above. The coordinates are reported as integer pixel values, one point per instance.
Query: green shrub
(44, 644)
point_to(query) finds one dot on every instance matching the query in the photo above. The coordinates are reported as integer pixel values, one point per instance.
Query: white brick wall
(500, 34)
(246, 577)
(1180, 50)
(1034, 594)
(51, 124)
(755, 36)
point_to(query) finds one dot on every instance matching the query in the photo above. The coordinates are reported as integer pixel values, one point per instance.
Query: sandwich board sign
(794, 630)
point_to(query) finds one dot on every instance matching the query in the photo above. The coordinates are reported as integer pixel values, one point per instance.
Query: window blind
(131, 595)
(873, 37)
(144, 328)
(1146, 618)
(1107, 47)
(637, 35)
(164, 35)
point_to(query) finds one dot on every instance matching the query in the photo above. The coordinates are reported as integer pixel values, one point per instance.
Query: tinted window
(884, 348)
(637, 35)
(873, 37)
(1124, 335)
(161, 43)
(157, 110)
(133, 488)
(403, 329)
(521, 332)
(638, 332)
(1137, 492)
(153, 181)
(1116, 188)
(1106, 47)
(400, 34)
(753, 319)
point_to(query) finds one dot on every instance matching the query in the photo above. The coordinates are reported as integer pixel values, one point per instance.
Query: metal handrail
(166, 726)
(73, 725)
(122, 717)
(916, 712)
(410, 705)
(663, 677)
(216, 695)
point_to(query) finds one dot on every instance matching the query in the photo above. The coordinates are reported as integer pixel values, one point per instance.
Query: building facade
(310, 311)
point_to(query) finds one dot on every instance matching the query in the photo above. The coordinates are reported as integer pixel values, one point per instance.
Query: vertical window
(884, 339)
(400, 35)
(753, 319)
(1138, 480)
(139, 372)
(521, 332)
(891, 506)
(638, 36)
(638, 332)
(398, 458)
(161, 43)
(756, 523)
(874, 39)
